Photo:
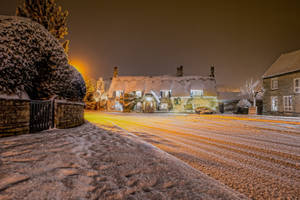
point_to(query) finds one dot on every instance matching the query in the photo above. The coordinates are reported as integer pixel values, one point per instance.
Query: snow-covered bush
(244, 103)
(33, 61)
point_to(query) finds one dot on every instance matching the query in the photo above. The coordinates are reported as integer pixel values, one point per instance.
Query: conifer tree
(48, 14)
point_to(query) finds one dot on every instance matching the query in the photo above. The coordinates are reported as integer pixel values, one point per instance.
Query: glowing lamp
(149, 98)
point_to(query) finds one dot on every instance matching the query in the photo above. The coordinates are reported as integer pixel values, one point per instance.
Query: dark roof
(286, 63)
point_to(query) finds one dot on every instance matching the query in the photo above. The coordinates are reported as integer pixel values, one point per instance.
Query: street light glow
(81, 66)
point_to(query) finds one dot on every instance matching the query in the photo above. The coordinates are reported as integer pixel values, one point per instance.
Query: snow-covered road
(255, 156)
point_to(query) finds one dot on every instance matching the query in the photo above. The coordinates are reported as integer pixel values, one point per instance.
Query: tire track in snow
(263, 169)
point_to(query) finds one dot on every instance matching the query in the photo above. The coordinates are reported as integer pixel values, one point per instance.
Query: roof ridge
(285, 63)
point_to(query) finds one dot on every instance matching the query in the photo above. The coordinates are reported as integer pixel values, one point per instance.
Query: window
(274, 83)
(288, 103)
(119, 93)
(274, 103)
(196, 93)
(138, 93)
(297, 85)
(165, 93)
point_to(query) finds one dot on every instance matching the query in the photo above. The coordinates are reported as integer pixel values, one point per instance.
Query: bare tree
(252, 89)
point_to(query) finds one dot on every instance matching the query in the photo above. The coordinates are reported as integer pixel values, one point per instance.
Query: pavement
(92, 163)
(258, 156)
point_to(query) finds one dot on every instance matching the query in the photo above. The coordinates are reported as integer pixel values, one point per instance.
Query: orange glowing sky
(241, 38)
(81, 66)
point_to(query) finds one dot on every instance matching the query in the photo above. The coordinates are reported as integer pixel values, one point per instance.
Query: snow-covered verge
(92, 163)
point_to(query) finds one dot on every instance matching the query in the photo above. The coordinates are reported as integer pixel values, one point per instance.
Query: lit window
(119, 93)
(297, 85)
(138, 93)
(196, 93)
(165, 93)
(288, 103)
(274, 103)
(274, 83)
(118, 106)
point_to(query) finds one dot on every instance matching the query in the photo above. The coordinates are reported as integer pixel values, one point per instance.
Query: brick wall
(285, 88)
(14, 116)
(68, 114)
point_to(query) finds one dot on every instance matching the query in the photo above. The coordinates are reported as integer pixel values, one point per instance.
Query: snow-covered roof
(286, 63)
(180, 86)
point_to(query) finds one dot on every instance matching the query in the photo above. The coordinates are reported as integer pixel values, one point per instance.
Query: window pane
(274, 103)
(165, 93)
(138, 93)
(297, 82)
(290, 101)
(196, 92)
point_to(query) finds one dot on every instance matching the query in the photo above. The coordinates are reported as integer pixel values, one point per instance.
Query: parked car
(203, 110)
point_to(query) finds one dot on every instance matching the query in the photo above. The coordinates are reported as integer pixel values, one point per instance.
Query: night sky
(242, 38)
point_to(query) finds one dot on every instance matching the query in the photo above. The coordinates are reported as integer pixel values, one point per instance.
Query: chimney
(116, 71)
(212, 71)
(179, 71)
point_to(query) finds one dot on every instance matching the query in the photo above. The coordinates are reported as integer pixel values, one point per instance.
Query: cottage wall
(185, 104)
(14, 116)
(285, 88)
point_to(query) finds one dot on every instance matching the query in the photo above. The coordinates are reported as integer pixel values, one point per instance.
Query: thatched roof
(180, 86)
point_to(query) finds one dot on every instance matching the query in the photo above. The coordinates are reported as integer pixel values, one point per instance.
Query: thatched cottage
(165, 93)
(282, 86)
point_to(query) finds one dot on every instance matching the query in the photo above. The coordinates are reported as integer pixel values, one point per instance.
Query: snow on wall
(33, 61)
(180, 86)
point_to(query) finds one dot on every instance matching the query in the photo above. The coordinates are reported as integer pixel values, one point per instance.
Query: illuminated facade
(164, 93)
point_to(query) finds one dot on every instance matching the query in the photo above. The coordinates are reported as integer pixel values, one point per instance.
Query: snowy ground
(88, 162)
(256, 156)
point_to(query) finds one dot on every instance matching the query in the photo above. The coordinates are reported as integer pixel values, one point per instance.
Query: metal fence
(40, 115)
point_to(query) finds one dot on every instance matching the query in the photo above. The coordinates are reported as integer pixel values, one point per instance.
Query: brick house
(282, 86)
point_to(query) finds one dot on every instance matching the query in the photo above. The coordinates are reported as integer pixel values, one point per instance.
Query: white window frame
(288, 105)
(138, 93)
(297, 88)
(274, 86)
(119, 93)
(163, 92)
(196, 93)
(274, 106)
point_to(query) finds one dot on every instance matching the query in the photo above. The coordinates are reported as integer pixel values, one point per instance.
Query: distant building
(282, 86)
(164, 93)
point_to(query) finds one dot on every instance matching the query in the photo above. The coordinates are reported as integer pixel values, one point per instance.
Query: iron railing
(40, 115)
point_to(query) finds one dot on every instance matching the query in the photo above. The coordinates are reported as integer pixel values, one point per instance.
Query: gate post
(53, 111)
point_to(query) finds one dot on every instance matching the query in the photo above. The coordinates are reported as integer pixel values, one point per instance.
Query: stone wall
(68, 114)
(14, 116)
(285, 88)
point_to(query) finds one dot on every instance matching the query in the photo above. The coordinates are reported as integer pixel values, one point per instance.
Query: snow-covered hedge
(33, 61)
